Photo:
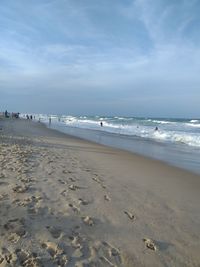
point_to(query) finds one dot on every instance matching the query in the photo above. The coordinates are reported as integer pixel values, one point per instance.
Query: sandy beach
(68, 202)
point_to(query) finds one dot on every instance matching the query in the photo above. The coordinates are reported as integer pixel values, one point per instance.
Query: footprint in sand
(57, 254)
(64, 193)
(36, 199)
(62, 182)
(20, 189)
(109, 255)
(3, 196)
(73, 187)
(97, 180)
(103, 186)
(30, 201)
(107, 198)
(55, 231)
(16, 227)
(28, 259)
(150, 244)
(27, 180)
(72, 179)
(5, 256)
(74, 208)
(83, 202)
(52, 248)
(88, 220)
(1, 259)
(19, 202)
(13, 238)
(130, 215)
(76, 241)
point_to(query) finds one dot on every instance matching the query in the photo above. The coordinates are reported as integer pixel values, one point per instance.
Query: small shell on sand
(150, 244)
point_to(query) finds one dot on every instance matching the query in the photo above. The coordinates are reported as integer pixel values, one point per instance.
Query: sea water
(175, 141)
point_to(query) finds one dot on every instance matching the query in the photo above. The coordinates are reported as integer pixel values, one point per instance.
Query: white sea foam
(161, 122)
(194, 121)
(185, 132)
(193, 125)
(184, 138)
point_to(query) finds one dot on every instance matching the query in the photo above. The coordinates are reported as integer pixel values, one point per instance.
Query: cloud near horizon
(90, 57)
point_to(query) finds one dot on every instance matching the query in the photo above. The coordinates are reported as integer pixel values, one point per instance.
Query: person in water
(156, 129)
(101, 123)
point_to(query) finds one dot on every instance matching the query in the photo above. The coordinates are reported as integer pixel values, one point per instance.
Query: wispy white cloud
(130, 49)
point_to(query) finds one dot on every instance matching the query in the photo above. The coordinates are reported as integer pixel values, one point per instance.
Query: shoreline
(121, 149)
(84, 204)
(142, 147)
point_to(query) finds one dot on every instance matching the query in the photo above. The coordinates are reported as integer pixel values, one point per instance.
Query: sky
(100, 57)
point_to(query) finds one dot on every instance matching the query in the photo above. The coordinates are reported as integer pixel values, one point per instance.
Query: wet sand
(68, 202)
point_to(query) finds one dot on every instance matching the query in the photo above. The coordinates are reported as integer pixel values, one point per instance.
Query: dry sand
(69, 202)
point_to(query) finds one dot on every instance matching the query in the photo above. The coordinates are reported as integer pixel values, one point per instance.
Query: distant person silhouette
(6, 114)
(101, 123)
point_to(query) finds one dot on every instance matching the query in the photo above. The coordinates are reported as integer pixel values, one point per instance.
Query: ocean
(174, 141)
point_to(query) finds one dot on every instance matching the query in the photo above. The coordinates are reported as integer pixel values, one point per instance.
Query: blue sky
(108, 57)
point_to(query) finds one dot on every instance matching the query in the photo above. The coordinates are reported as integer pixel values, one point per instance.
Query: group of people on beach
(11, 115)
(29, 117)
